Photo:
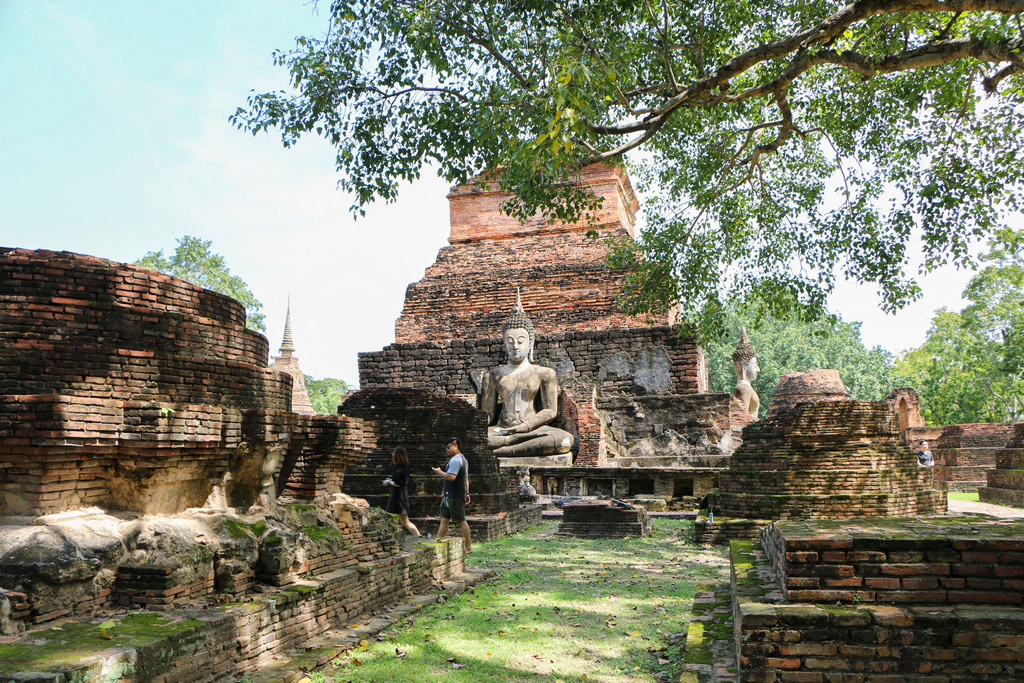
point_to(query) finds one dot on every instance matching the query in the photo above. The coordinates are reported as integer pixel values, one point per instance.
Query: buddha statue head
(517, 334)
(744, 359)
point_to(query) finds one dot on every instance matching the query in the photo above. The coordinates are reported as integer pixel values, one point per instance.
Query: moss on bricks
(319, 533)
(64, 648)
(236, 529)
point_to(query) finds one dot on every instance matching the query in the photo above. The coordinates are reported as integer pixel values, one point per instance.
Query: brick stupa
(565, 283)
(128, 389)
(818, 455)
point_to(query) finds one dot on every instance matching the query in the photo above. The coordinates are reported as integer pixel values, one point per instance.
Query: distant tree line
(969, 369)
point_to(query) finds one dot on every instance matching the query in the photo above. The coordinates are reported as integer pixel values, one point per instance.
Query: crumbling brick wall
(560, 268)
(831, 459)
(126, 388)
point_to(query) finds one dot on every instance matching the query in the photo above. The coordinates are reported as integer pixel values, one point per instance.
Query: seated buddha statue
(511, 393)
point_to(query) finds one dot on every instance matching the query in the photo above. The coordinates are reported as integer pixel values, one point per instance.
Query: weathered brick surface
(421, 422)
(964, 453)
(832, 459)
(807, 387)
(924, 561)
(905, 402)
(1004, 484)
(126, 388)
(932, 629)
(229, 642)
(565, 283)
(603, 519)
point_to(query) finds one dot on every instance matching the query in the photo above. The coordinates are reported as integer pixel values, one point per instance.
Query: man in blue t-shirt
(456, 491)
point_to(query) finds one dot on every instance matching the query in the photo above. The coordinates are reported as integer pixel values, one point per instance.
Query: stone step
(710, 653)
(987, 494)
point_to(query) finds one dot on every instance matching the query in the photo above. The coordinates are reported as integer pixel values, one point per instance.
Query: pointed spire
(519, 302)
(287, 344)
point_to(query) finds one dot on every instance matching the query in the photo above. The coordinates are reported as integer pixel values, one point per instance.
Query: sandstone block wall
(652, 360)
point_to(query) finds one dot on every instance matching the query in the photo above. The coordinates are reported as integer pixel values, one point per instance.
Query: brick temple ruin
(844, 565)
(150, 459)
(819, 455)
(634, 391)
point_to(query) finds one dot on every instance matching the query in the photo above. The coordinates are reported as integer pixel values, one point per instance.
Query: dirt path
(970, 507)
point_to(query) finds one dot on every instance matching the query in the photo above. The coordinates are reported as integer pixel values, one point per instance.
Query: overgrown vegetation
(781, 146)
(325, 394)
(559, 609)
(971, 366)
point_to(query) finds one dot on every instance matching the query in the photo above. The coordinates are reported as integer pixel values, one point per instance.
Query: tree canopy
(791, 345)
(971, 366)
(194, 262)
(779, 144)
(326, 394)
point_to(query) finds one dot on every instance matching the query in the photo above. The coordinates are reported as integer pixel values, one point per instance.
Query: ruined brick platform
(943, 560)
(125, 388)
(196, 644)
(965, 453)
(936, 600)
(604, 519)
(1005, 483)
(833, 459)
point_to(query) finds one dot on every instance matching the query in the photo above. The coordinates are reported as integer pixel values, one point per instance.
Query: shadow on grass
(559, 609)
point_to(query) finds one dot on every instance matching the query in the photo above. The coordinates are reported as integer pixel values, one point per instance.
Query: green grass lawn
(965, 495)
(559, 609)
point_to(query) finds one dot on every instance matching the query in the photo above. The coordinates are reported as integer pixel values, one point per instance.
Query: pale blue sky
(114, 141)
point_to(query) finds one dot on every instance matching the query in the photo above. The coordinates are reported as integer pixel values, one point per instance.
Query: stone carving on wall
(650, 371)
(744, 361)
(519, 429)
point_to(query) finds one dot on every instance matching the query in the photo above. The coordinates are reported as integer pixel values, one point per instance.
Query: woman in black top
(398, 483)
